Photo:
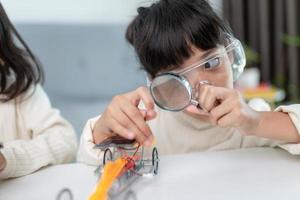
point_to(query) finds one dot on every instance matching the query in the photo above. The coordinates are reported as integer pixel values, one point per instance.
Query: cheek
(223, 78)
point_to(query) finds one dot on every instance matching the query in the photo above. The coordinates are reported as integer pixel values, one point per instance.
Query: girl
(32, 133)
(192, 60)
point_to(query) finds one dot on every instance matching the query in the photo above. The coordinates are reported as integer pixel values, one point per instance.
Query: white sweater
(33, 134)
(177, 133)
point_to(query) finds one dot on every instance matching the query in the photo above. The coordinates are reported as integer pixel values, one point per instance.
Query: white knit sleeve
(52, 139)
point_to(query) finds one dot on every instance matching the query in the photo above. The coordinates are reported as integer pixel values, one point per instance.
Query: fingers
(148, 115)
(125, 127)
(219, 111)
(116, 127)
(229, 120)
(143, 94)
(137, 119)
(225, 105)
(123, 117)
(212, 96)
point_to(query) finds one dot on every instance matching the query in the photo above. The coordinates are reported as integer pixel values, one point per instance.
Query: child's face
(219, 75)
(181, 86)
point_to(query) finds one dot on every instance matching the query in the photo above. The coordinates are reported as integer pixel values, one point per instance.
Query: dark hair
(164, 33)
(19, 68)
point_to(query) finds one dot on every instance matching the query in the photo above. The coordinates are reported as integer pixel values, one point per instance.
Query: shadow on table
(126, 195)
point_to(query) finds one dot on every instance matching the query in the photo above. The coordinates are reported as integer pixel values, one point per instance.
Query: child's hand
(122, 117)
(227, 108)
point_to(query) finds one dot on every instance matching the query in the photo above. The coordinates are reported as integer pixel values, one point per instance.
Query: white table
(256, 173)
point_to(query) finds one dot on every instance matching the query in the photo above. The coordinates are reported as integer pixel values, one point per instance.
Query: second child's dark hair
(19, 69)
(164, 33)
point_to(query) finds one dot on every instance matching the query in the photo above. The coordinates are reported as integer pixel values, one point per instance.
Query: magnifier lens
(170, 92)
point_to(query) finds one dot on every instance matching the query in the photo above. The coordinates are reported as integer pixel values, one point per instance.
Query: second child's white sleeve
(51, 139)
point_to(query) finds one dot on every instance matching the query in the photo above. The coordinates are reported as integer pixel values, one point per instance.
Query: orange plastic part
(111, 172)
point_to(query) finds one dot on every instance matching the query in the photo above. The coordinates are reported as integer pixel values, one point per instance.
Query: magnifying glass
(173, 92)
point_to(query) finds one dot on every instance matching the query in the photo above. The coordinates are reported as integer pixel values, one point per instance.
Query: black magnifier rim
(181, 79)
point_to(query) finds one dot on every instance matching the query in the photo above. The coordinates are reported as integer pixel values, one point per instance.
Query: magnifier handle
(196, 103)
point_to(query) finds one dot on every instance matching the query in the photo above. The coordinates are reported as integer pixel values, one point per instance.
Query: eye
(212, 63)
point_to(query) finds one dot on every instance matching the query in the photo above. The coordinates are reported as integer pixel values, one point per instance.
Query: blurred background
(270, 31)
(87, 61)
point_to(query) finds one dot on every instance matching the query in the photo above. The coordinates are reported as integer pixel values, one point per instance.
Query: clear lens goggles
(173, 91)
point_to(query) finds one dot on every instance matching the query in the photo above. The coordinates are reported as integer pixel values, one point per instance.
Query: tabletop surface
(254, 173)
